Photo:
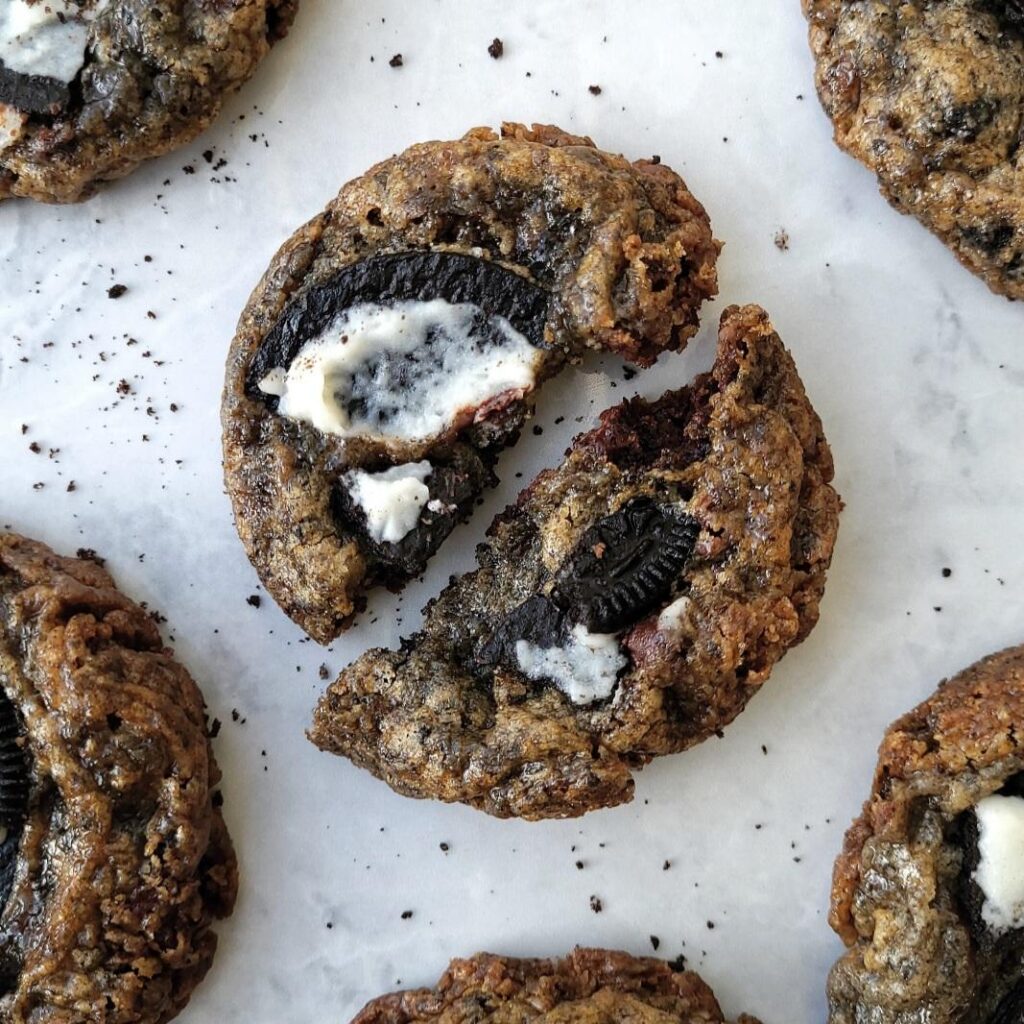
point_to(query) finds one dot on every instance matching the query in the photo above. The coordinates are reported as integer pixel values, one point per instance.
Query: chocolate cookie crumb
(496, 49)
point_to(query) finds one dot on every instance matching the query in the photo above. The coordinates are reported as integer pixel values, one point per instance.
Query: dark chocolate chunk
(624, 565)
(14, 793)
(989, 238)
(1009, 14)
(453, 487)
(399, 277)
(1011, 1008)
(537, 620)
(32, 94)
(966, 121)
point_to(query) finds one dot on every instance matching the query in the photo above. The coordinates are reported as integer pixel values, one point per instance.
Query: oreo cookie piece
(928, 893)
(587, 986)
(621, 609)
(397, 342)
(114, 857)
(91, 88)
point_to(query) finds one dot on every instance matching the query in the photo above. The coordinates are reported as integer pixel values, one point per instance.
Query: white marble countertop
(917, 371)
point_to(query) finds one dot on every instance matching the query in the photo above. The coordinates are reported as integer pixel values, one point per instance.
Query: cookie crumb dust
(496, 49)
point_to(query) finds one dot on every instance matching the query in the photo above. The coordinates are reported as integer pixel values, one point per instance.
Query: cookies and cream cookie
(930, 96)
(91, 88)
(589, 986)
(928, 893)
(396, 343)
(628, 605)
(114, 857)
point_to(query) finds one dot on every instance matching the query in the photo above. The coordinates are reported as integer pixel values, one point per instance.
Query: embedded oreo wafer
(91, 88)
(14, 793)
(396, 344)
(928, 893)
(622, 608)
(114, 857)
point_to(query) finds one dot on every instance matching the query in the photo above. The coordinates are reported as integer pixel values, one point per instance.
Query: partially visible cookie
(930, 95)
(928, 892)
(396, 343)
(114, 857)
(589, 986)
(91, 88)
(628, 605)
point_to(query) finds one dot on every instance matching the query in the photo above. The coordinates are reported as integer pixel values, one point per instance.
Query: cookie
(395, 345)
(590, 986)
(930, 96)
(629, 603)
(114, 860)
(928, 893)
(91, 88)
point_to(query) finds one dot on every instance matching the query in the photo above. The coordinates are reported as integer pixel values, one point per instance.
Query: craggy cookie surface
(395, 344)
(928, 892)
(115, 859)
(91, 88)
(590, 986)
(930, 95)
(628, 605)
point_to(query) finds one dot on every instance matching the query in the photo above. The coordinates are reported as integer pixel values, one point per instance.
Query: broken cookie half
(589, 986)
(627, 605)
(928, 893)
(397, 342)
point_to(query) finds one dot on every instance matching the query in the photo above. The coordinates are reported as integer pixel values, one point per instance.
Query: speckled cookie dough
(115, 859)
(590, 986)
(405, 330)
(928, 892)
(628, 605)
(91, 88)
(930, 95)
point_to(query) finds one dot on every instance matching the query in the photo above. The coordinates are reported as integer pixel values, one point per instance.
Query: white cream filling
(585, 670)
(45, 37)
(673, 616)
(12, 124)
(405, 372)
(392, 499)
(1000, 871)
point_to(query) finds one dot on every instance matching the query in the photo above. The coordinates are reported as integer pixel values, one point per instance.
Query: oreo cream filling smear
(585, 668)
(408, 371)
(392, 500)
(1000, 870)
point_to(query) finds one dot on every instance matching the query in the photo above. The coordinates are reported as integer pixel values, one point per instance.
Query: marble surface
(917, 371)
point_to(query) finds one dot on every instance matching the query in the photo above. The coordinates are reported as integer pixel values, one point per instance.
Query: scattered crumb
(497, 48)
